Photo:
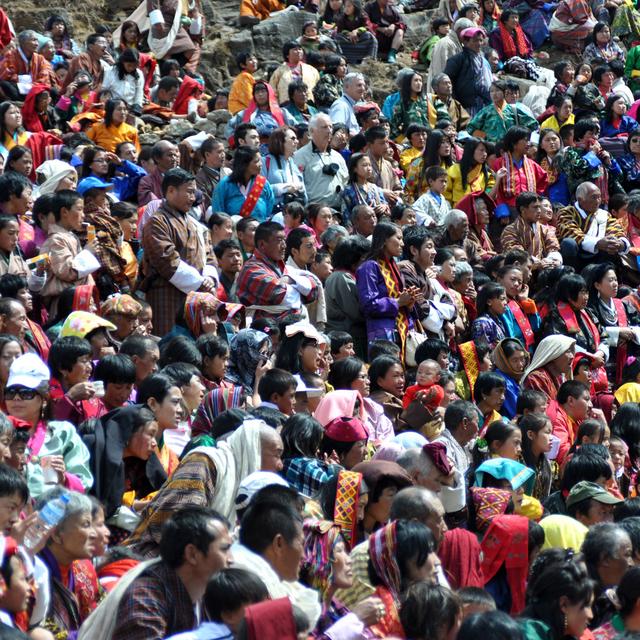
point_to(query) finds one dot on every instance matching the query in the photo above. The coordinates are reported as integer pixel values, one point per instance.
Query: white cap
(28, 371)
(303, 388)
(253, 483)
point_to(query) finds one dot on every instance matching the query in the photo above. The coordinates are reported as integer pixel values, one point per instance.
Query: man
(271, 545)
(229, 256)
(528, 234)
(22, 67)
(388, 28)
(588, 233)
(144, 352)
(293, 68)
(247, 134)
(456, 232)
(574, 406)
(383, 172)
(165, 93)
(13, 321)
(165, 156)
(445, 104)
(324, 170)
(343, 109)
(363, 219)
(590, 504)
(174, 257)
(212, 169)
(446, 48)
(92, 61)
(165, 596)
(470, 71)
(266, 285)
(301, 254)
(460, 428)
(246, 232)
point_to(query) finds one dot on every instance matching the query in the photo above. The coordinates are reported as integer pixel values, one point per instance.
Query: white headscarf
(549, 349)
(53, 171)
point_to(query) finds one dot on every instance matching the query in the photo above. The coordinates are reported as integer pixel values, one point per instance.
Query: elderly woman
(122, 310)
(72, 579)
(199, 316)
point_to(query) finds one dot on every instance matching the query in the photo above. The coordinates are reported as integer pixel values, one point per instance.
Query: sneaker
(391, 57)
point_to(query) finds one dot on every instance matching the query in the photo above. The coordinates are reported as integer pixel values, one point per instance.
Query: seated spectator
(342, 110)
(293, 67)
(241, 92)
(22, 67)
(388, 28)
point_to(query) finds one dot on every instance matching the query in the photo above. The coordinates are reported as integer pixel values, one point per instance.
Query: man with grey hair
(324, 170)
(455, 234)
(445, 104)
(460, 427)
(588, 233)
(22, 67)
(342, 110)
(446, 48)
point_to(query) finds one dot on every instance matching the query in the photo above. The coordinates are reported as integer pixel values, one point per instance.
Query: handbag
(415, 337)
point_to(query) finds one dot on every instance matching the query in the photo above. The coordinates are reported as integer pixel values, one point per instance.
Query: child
(475, 600)
(277, 390)
(618, 450)
(432, 207)
(341, 345)
(426, 380)
(71, 266)
(292, 216)
(118, 375)
(310, 391)
(531, 401)
(629, 390)
(439, 29)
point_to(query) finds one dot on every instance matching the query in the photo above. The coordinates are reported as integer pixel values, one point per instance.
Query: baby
(426, 377)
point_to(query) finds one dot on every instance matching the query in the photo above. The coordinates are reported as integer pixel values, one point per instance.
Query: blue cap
(92, 182)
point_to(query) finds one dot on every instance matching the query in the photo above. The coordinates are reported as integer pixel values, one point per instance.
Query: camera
(330, 169)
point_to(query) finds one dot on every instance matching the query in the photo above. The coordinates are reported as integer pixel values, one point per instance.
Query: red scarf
(6, 30)
(460, 556)
(274, 107)
(253, 196)
(30, 119)
(190, 88)
(148, 66)
(568, 316)
(82, 297)
(510, 183)
(513, 47)
(40, 340)
(523, 323)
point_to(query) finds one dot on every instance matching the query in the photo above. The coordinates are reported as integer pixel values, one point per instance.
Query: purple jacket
(378, 309)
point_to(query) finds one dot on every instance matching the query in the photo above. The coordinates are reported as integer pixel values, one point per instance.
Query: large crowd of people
(353, 371)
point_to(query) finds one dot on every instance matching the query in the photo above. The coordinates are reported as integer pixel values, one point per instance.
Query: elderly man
(456, 230)
(324, 170)
(22, 67)
(446, 106)
(363, 220)
(166, 156)
(293, 68)
(92, 61)
(588, 233)
(470, 71)
(265, 285)
(343, 109)
(460, 428)
(446, 48)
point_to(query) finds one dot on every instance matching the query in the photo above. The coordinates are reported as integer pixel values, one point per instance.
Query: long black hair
(381, 233)
(431, 155)
(128, 55)
(242, 158)
(110, 107)
(467, 162)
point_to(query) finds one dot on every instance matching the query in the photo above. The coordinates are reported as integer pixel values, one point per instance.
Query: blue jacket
(228, 198)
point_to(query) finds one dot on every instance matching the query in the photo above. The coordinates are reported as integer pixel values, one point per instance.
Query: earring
(566, 624)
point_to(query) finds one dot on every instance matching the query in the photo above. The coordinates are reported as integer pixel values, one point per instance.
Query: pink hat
(472, 32)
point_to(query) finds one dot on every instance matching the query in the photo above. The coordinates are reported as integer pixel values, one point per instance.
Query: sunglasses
(21, 393)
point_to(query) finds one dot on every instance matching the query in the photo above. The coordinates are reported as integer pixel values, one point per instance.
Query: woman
(281, 171)
(412, 107)
(82, 298)
(129, 35)
(26, 397)
(536, 429)
(511, 359)
(432, 612)
(344, 441)
(300, 349)
(19, 160)
(550, 365)
(351, 373)
(159, 393)
(587, 99)
(571, 24)
(509, 39)
(559, 600)
(354, 33)
(385, 303)
(472, 174)
(72, 579)
(561, 116)
(215, 359)
(320, 219)
(630, 178)
(249, 354)
(437, 152)
(360, 190)
(245, 192)
(38, 113)
(515, 171)
(549, 156)
(199, 316)
(341, 293)
(100, 163)
(489, 394)
(489, 15)
(616, 317)
(615, 123)
(400, 553)
(125, 81)
(386, 379)
(603, 47)
(52, 176)
(626, 618)
(114, 130)
(564, 73)
(57, 29)
(329, 87)
(479, 208)
(494, 120)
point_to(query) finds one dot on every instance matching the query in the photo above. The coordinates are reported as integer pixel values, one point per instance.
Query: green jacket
(495, 127)
(633, 64)
(535, 629)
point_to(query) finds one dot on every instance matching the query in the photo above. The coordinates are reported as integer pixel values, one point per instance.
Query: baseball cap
(28, 371)
(253, 483)
(472, 32)
(585, 490)
(92, 182)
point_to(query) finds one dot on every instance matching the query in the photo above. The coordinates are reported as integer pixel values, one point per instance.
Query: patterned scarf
(513, 46)
(196, 303)
(470, 363)
(382, 552)
(345, 512)
(489, 503)
(320, 537)
(393, 282)
(511, 179)
(214, 403)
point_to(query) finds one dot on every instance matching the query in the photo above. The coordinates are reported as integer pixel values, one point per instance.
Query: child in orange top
(427, 375)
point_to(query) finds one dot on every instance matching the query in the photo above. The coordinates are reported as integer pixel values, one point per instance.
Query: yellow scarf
(392, 281)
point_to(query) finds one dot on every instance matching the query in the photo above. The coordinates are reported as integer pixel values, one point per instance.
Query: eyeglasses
(21, 393)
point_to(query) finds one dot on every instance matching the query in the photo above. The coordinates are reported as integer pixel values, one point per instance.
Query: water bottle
(48, 517)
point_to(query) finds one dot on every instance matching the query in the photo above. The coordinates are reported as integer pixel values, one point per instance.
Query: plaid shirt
(306, 475)
(155, 605)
